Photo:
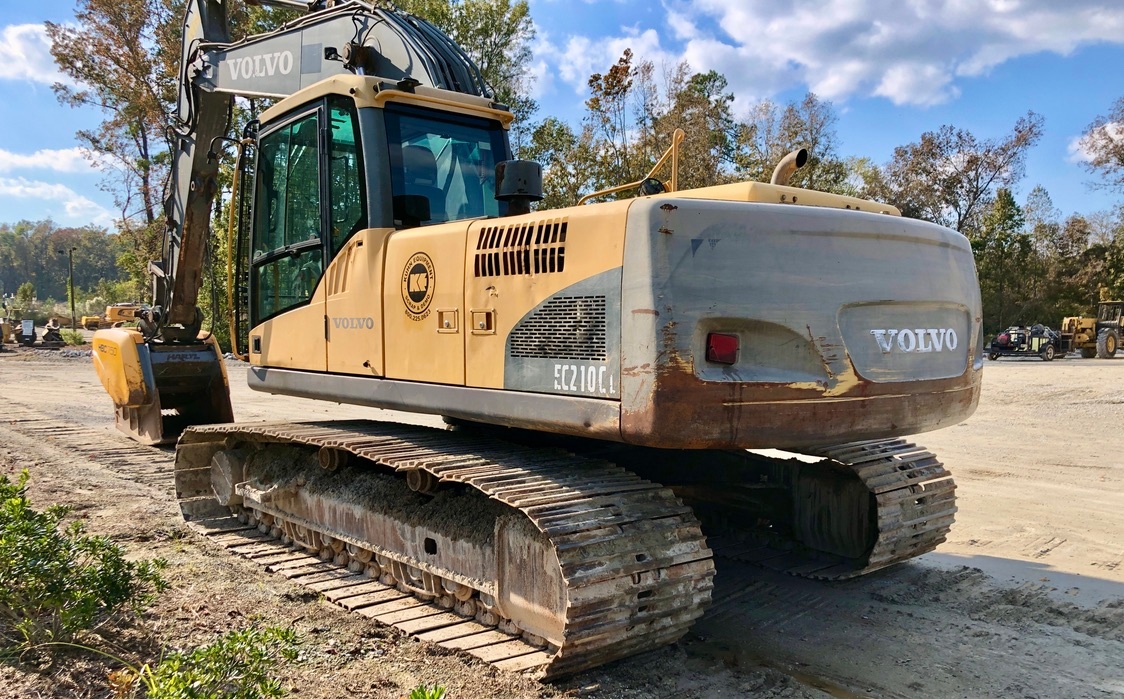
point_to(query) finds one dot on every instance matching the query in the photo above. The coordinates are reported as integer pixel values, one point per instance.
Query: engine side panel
(535, 287)
(570, 343)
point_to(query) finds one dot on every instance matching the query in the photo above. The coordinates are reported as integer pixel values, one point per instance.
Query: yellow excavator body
(604, 368)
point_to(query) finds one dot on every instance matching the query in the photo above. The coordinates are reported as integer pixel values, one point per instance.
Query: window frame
(361, 171)
(318, 108)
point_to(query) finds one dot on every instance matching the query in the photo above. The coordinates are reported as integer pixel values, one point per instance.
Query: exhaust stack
(788, 165)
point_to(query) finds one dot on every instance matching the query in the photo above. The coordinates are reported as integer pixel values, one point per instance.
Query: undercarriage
(556, 557)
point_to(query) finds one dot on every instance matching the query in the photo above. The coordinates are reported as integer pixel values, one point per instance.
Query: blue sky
(892, 69)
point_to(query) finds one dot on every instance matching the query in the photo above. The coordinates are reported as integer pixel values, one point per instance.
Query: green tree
(700, 104)
(769, 133)
(36, 252)
(951, 177)
(567, 160)
(609, 118)
(1002, 250)
(497, 35)
(25, 294)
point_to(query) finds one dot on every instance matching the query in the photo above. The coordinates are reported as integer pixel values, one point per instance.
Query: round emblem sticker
(417, 285)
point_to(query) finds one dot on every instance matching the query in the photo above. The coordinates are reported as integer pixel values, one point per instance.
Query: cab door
(423, 291)
(288, 251)
(353, 283)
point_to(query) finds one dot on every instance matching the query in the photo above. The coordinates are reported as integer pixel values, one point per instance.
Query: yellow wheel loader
(604, 367)
(1095, 337)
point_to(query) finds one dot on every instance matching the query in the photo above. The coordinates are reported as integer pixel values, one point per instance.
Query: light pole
(70, 278)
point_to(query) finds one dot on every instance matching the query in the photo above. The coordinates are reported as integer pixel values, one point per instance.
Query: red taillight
(721, 348)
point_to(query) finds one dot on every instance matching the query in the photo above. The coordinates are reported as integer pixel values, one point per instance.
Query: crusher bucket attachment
(160, 389)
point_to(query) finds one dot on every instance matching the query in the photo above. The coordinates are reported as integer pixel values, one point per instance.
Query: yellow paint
(295, 338)
(354, 293)
(443, 101)
(117, 364)
(366, 92)
(594, 244)
(761, 192)
(424, 274)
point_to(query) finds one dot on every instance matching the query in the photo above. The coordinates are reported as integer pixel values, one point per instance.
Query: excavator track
(911, 508)
(624, 565)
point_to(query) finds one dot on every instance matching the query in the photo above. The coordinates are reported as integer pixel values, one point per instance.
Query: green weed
(426, 692)
(235, 666)
(72, 337)
(55, 580)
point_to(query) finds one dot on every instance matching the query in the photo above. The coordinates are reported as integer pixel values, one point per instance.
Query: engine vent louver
(538, 247)
(565, 327)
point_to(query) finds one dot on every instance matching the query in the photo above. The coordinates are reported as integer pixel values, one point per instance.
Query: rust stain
(635, 370)
(646, 312)
(684, 412)
(665, 231)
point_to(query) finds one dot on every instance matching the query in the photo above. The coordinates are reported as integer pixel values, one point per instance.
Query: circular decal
(418, 283)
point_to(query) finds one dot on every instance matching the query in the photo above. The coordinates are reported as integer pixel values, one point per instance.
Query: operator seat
(419, 171)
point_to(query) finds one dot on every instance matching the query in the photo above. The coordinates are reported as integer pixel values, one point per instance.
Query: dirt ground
(1026, 599)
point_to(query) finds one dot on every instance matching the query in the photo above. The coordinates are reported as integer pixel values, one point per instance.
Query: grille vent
(525, 248)
(566, 327)
(338, 272)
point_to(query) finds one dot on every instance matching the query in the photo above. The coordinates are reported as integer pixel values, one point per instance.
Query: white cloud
(578, 57)
(912, 52)
(919, 84)
(25, 54)
(71, 160)
(1081, 147)
(75, 207)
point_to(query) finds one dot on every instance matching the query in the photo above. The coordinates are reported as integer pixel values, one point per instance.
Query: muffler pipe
(788, 165)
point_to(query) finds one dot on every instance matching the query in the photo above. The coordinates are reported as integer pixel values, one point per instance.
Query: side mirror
(518, 182)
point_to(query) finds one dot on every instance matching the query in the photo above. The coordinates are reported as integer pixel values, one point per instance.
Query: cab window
(345, 173)
(288, 253)
(442, 165)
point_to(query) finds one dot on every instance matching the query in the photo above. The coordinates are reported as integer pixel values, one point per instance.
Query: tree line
(38, 254)
(1033, 264)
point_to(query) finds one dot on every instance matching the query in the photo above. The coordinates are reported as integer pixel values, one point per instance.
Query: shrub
(235, 666)
(56, 581)
(25, 294)
(426, 692)
(72, 337)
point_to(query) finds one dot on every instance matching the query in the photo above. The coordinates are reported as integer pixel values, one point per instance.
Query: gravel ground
(1026, 599)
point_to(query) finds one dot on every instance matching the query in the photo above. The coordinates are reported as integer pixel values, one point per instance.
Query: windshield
(443, 166)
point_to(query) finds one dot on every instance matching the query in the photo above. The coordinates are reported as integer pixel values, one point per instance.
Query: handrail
(230, 245)
(672, 152)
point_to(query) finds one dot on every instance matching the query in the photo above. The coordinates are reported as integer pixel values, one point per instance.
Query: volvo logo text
(354, 323)
(261, 65)
(915, 340)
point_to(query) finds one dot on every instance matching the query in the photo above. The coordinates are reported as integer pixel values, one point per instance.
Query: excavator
(617, 376)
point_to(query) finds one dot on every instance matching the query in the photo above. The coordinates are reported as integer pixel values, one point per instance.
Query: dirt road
(1026, 599)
